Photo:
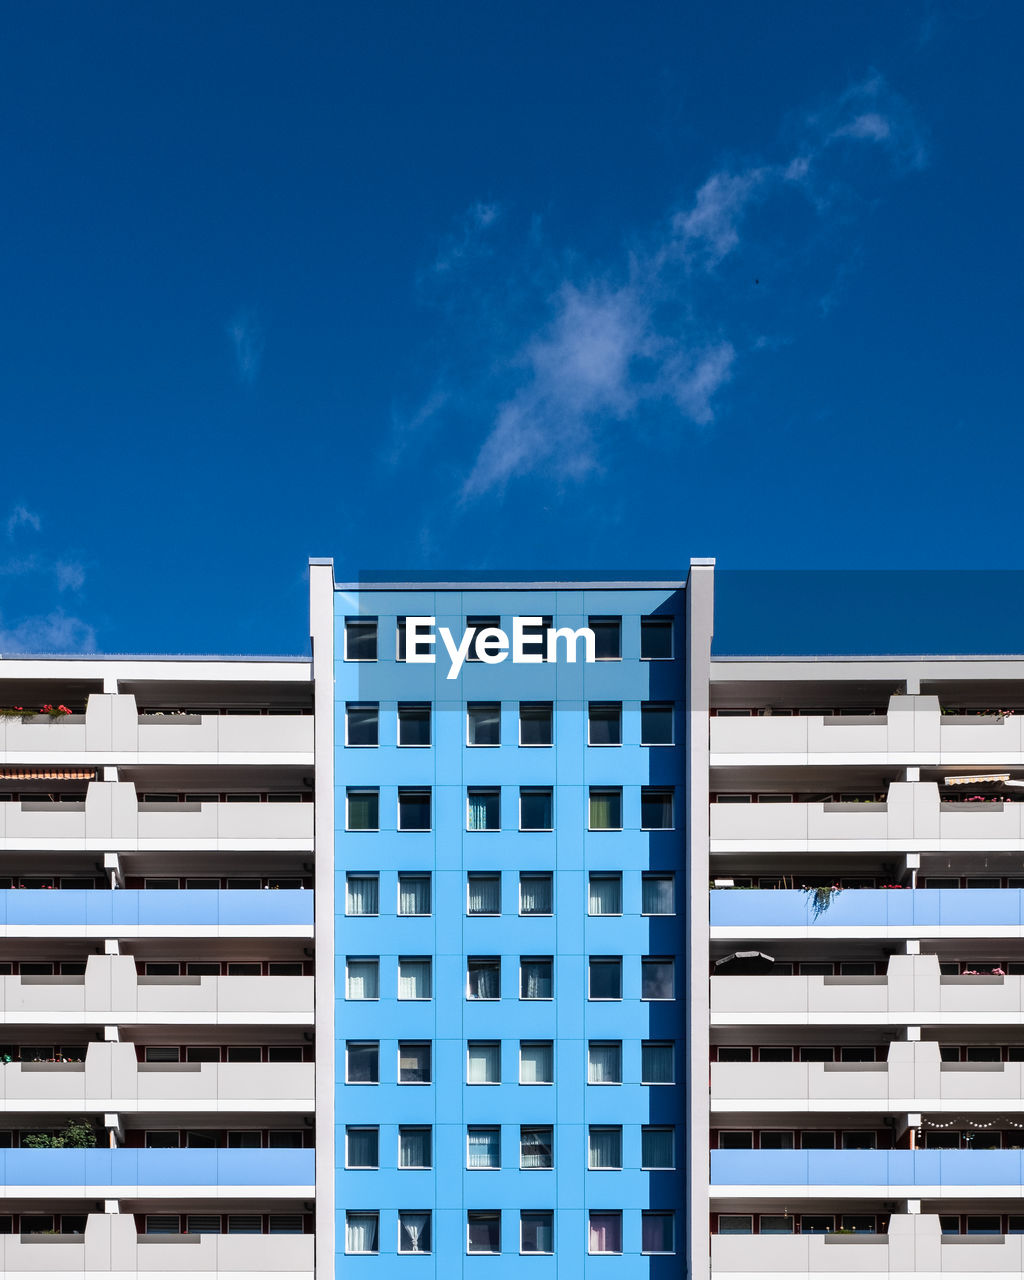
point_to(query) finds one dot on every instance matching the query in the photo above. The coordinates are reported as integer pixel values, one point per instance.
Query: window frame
(478, 705)
(406, 708)
(546, 792)
(353, 621)
(350, 793)
(658, 622)
(651, 705)
(535, 706)
(595, 791)
(361, 706)
(408, 793)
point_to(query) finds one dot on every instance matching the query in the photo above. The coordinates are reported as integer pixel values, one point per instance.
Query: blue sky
(496, 285)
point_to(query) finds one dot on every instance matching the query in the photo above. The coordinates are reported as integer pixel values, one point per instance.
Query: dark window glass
(361, 639)
(535, 805)
(607, 637)
(483, 724)
(604, 725)
(363, 1062)
(535, 724)
(656, 727)
(414, 724)
(655, 637)
(413, 809)
(361, 724)
(605, 978)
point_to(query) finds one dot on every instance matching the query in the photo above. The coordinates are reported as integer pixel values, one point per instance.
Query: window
(361, 1147)
(735, 1140)
(604, 896)
(195, 1224)
(657, 1235)
(816, 1139)
(775, 1224)
(482, 645)
(776, 1140)
(483, 893)
(818, 1224)
(483, 1062)
(285, 1139)
(414, 893)
(161, 1053)
(162, 1224)
(360, 639)
(657, 978)
(414, 1146)
(735, 1224)
(658, 895)
(605, 1232)
(483, 1231)
(535, 807)
(983, 1224)
(605, 809)
(361, 1232)
(413, 1231)
(535, 978)
(536, 1144)
(604, 1146)
(413, 809)
(362, 1062)
(413, 1062)
(536, 1231)
(535, 893)
(483, 978)
(656, 808)
(362, 981)
(604, 724)
(363, 809)
(604, 1062)
(361, 724)
(483, 809)
(536, 1062)
(607, 637)
(285, 1224)
(285, 968)
(605, 978)
(655, 644)
(244, 969)
(483, 1147)
(735, 1053)
(657, 1147)
(161, 1138)
(414, 978)
(657, 1062)
(860, 1140)
(399, 639)
(536, 724)
(656, 727)
(483, 724)
(414, 724)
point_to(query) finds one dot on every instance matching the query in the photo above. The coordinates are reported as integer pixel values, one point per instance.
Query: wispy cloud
(41, 631)
(22, 516)
(247, 338)
(70, 575)
(467, 239)
(55, 632)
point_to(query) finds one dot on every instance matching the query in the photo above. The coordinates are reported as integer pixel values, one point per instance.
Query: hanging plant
(821, 896)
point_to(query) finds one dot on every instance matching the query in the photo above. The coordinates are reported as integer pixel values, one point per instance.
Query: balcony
(114, 1172)
(111, 1079)
(863, 912)
(913, 1246)
(885, 1174)
(110, 991)
(124, 913)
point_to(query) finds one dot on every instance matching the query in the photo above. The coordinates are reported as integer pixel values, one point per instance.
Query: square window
(483, 893)
(604, 1146)
(361, 1232)
(604, 1062)
(655, 639)
(483, 724)
(604, 895)
(605, 1232)
(483, 1231)
(535, 898)
(657, 1062)
(483, 978)
(605, 808)
(735, 1224)
(362, 1062)
(363, 808)
(536, 1231)
(414, 1231)
(361, 1147)
(657, 1147)
(414, 893)
(483, 644)
(536, 1062)
(658, 894)
(536, 981)
(483, 1147)
(607, 638)
(414, 978)
(657, 978)
(483, 809)
(604, 724)
(414, 1146)
(657, 1234)
(360, 639)
(656, 808)
(362, 724)
(413, 809)
(483, 1062)
(536, 1146)
(362, 978)
(605, 978)
(536, 724)
(414, 724)
(535, 809)
(656, 724)
(413, 1062)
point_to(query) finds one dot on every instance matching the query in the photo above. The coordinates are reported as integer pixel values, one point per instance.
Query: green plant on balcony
(820, 897)
(48, 709)
(76, 1133)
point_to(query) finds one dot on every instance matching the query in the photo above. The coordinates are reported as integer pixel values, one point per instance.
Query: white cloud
(54, 632)
(247, 343)
(70, 575)
(22, 516)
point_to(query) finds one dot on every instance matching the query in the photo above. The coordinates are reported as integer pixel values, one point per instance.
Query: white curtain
(482, 1147)
(658, 896)
(536, 1064)
(605, 896)
(605, 1233)
(483, 1064)
(414, 1149)
(605, 1148)
(535, 895)
(484, 896)
(414, 979)
(657, 1064)
(482, 811)
(537, 1233)
(605, 1064)
(361, 1233)
(362, 1148)
(414, 1063)
(535, 1149)
(361, 896)
(484, 981)
(415, 1232)
(657, 1233)
(414, 896)
(536, 980)
(657, 1150)
(363, 982)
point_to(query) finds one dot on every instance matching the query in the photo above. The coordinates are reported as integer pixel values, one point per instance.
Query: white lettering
(531, 642)
(491, 645)
(419, 631)
(456, 653)
(522, 635)
(572, 639)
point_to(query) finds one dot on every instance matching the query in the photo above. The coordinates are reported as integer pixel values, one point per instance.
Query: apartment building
(157, 1052)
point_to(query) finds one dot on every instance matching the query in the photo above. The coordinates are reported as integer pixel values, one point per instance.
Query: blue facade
(575, 1027)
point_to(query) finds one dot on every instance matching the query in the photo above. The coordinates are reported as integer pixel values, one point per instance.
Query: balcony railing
(109, 1172)
(113, 909)
(888, 1173)
(866, 908)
